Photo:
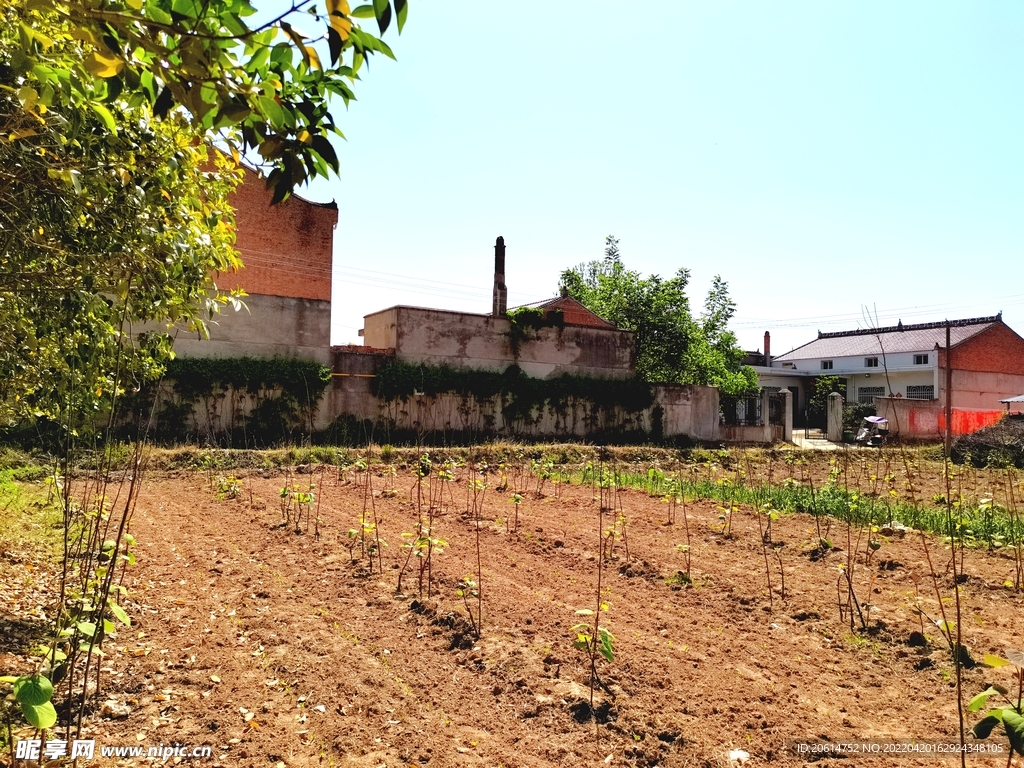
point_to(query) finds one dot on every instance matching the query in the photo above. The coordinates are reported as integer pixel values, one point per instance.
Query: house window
(870, 362)
(866, 394)
(920, 359)
(826, 365)
(921, 392)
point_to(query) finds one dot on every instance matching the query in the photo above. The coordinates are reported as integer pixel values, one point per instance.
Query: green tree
(822, 387)
(113, 209)
(671, 345)
(103, 234)
(261, 87)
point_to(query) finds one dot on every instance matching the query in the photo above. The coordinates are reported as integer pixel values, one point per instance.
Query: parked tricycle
(873, 432)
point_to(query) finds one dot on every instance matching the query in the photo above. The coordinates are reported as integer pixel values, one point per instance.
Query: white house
(906, 362)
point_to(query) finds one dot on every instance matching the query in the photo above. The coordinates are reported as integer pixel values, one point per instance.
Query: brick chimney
(500, 308)
(767, 349)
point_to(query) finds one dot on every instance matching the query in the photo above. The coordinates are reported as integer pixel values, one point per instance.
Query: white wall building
(902, 361)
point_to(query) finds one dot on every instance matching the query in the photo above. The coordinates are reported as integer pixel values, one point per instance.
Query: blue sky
(821, 157)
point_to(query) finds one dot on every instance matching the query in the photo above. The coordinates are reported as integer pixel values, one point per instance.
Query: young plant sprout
(1011, 716)
(593, 640)
(517, 500)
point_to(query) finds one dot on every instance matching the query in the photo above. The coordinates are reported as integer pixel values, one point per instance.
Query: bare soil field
(276, 647)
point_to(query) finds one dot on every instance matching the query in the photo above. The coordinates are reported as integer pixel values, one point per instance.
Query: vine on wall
(246, 400)
(526, 321)
(520, 395)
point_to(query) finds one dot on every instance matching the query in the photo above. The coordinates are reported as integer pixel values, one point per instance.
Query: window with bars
(920, 359)
(870, 362)
(865, 394)
(921, 392)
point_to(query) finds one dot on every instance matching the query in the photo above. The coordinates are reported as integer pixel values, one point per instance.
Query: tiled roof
(921, 337)
(573, 312)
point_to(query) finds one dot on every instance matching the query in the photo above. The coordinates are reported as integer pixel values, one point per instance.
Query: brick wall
(286, 249)
(996, 350)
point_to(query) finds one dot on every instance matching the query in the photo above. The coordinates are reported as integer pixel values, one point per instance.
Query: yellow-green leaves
(101, 65)
(337, 13)
(209, 63)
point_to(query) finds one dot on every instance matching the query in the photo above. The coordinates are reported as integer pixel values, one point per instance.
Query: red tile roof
(573, 312)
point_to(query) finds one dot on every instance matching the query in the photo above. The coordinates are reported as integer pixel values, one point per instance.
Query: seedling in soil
(593, 640)
(228, 488)
(543, 472)
(422, 546)
(286, 500)
(875, 541)
(766, 542)
(467, 589)
(680, 579)
(517, 500)
(673, 501)
(478, 486)
(389, 473)
(368, 533)
(850, 603)
(304, 503)
(597, 639)
(1011, 716)
(614, 533)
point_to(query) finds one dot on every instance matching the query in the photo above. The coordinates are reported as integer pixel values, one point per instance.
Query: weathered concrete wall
(271, 326)
(834, 417)
(684, 410)
(690, 411)
(229, 417)
(464, 340)
(351, 390)
(768, 433)
(927, 418)
(676, 410)
(287, 248)
(380, 329)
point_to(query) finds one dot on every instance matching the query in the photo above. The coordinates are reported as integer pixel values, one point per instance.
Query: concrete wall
(464, 340)
(690, 411)
(685, 410)
(351, 390)
(768, 433)
(270, 326)
(927, 418)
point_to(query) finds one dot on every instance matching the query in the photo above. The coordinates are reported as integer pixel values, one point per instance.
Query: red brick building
(287, 250)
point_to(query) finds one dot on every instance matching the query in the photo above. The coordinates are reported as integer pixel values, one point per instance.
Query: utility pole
(949, 394)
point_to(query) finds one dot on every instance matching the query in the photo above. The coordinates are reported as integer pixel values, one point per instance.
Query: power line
(899, 312)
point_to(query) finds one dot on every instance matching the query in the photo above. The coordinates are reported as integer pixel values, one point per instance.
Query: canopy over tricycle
(874, 431)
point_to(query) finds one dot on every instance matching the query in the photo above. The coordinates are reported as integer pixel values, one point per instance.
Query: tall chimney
(500, 308)
(767, 349)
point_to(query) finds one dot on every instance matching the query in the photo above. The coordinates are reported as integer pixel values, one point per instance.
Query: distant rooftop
(916, 337)
(573, 311)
